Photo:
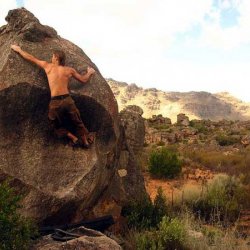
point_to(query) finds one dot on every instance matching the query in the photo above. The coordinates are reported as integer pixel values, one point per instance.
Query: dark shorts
(61, 108)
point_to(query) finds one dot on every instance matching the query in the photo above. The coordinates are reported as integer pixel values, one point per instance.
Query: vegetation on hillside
(15, 230)
(204, 219)
(180, 227)
(164, 163)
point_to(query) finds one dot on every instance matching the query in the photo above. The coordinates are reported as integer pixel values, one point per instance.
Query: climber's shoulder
(69, 71)
(48, 67)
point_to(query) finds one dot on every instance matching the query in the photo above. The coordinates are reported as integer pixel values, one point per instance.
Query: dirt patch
(178, 190)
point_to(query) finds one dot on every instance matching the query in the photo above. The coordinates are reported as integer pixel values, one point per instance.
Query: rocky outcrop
(182, 119)
(128, 183)
(159, 130)
(198, 132)
(60, 184)
(90, 239)
(159, 120)
(132, 121)
(245, 140)
(197, 105)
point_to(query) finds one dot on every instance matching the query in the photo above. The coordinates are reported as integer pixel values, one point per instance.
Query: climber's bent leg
(72, 137)
(75, 117)
(55, 116)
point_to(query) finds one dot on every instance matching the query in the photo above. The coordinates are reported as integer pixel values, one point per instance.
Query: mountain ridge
(195, 104)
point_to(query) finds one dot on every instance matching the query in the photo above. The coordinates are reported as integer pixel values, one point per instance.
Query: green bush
(171, 235)
(140, 214)
(226, 140)
(15, 230)
(147, 240)
(160, 206)
(164, 163)
(201, 128)
(222, 202)
(145, 214)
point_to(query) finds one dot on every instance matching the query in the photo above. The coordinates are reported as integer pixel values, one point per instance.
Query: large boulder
(133, 122)
(182, 119)
(159, 120)
(90, 239)
(126, 185)
(60, 184)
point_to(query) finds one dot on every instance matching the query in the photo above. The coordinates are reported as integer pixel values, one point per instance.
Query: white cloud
(215, 36)
(219, 77)
(227, 4)
(127, 39)
(121, 26)
(181, 75)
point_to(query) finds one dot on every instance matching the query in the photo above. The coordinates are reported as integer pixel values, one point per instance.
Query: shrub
(185, 233)
(222, 201)
(145, 214)
(201, 128)
(160, 206)
(234, 163)
(226, 140)
(15, 230)
(171, 235)
(212, 234)
(139, 213)
(147, 240)
(164, 163)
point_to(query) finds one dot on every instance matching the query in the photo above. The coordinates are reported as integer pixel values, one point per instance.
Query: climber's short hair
(61, 56)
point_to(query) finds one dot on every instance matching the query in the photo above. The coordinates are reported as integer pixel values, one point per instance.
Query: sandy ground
(191, 185)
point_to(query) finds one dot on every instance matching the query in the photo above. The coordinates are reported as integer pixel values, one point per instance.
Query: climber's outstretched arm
(83, 78)
(29, 57)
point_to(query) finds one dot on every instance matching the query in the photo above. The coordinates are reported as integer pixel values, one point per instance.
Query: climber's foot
(84, 142)
(91, 138)
(86, 145)
(75, 144)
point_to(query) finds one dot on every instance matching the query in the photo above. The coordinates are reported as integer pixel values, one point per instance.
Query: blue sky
(180, 45)
(20, 3)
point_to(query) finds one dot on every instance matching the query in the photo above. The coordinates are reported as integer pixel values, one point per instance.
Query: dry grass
(233, 162)
(198, 236)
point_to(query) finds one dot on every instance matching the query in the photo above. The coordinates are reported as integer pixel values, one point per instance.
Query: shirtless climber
(61, 103)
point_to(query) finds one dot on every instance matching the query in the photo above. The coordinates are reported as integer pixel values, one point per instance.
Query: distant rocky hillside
(196, 105)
